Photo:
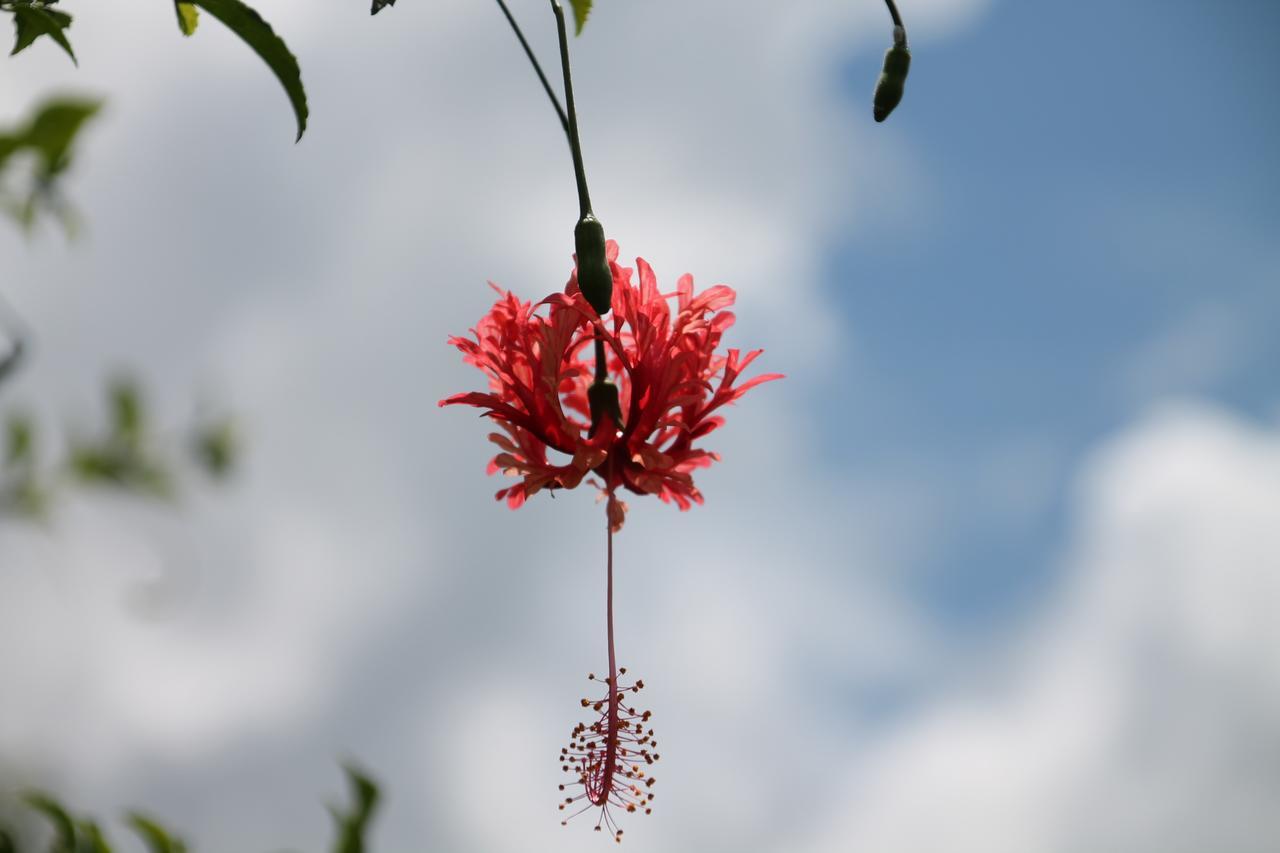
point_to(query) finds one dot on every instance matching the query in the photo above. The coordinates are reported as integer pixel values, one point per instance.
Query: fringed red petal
(670, 375)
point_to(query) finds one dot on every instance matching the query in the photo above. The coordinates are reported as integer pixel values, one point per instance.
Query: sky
(995, 568)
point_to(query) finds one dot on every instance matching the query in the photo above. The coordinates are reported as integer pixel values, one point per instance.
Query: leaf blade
(352, 823)
(64, 826)
(188, 17)
(156, 837)
(54, 129)
(254, 31)
(581, 9)
(31, 22)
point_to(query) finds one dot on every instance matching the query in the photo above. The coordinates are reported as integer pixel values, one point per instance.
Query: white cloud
(1141, 715)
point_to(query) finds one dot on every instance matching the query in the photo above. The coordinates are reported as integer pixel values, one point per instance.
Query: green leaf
(63, 826)
(27, 500)
(91, 839)
(156, 837)
(379, 5)
(188, 17)
(32, 20)
(126, 413)
(214, 447)
(581, 9)
(20, 439)
(352, 825)
(7, 844)
(257, 33)
(50, 136)
(96, 465)
(113, 465)
(55, 127)
(70, 836)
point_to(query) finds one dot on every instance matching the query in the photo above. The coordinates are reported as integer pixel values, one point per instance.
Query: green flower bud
(893, 77)
(603, 397)
(594, 278)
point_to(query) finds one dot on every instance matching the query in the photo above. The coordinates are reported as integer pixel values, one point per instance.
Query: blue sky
(993, 569)
(1096, 174)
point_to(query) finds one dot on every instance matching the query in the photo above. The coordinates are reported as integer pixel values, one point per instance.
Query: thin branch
(602, 369)
(580, 173)
(533, 60)
(11, 324)
(893, 13)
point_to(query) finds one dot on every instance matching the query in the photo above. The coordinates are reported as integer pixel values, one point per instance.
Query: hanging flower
(625, 398)
(663, 359)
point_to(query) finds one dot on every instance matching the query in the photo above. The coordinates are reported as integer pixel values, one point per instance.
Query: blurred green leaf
(24, 498)
(113, 465)
(127, 455)
(49, 137)
(581, 9)
(20, 489)
(19, 439)
(122, 458)
(126, 413)
(352, 824)
(34, 18)
(257, 33)
(379, 5)
(91, 839)
(51, 132)
(85, 836)
(156, 837)
(214, 447)
(188, 16)
(70, 836)
(64, 828)
(92, 464)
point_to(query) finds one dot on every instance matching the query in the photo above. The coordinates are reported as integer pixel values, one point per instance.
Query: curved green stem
(602, 371)
(537, 68)
(580, 173)
(899, 28)
(893, 13)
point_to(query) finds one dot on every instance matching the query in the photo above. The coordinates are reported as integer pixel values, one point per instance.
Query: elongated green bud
(893, 77)
(603, 397)
(594, 278)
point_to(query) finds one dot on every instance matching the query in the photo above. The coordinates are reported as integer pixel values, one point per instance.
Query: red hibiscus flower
(626, 398)
(663, 359)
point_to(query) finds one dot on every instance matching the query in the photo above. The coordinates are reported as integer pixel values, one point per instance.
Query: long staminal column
(610, 756)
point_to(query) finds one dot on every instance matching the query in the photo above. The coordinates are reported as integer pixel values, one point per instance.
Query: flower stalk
(537, 68)
(610, 757)
(588, 235)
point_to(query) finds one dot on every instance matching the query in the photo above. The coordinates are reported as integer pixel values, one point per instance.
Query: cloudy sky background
(997, 568)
